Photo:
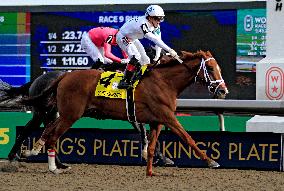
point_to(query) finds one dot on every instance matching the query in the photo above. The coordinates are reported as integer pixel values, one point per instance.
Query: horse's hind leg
(33, 124)
(42, 140)
(50, 117)
(62, 126)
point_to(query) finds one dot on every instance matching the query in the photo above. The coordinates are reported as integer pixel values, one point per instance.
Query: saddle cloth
(107, 86)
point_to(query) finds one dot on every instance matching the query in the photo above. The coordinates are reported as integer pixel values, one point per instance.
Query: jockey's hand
(124, 61)
(175, 55)
(156, 60)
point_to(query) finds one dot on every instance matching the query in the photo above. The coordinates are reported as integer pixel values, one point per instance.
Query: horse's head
(209, 73)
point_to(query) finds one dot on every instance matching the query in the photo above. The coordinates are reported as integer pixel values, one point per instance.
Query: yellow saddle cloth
(107, 86)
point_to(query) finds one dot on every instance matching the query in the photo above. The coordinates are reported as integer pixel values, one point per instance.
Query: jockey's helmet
(155, 11)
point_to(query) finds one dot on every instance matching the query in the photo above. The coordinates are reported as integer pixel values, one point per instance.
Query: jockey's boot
(125, 83)
(129, 72)
(97, 64)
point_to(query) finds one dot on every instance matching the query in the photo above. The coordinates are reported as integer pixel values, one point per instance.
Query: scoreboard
(63, 51)
(56, 38)
(251, 38)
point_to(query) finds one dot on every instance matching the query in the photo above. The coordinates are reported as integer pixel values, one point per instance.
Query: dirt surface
(111, 177)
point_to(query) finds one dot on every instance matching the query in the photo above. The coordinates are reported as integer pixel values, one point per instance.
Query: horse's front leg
(155, 130)
(177, 128)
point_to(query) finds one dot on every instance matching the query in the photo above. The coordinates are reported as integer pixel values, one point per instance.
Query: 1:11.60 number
(75, 61)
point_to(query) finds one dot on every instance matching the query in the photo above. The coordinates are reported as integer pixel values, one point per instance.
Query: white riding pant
(92, 50)
(132, 48)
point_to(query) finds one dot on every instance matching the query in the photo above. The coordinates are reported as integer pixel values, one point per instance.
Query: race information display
(57, 37)
(15, 48)
(251, 38)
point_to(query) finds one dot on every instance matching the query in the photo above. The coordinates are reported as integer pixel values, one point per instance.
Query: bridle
(212, 85)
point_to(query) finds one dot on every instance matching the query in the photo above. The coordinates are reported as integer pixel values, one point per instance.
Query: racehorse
(155, 99)
(42, 113)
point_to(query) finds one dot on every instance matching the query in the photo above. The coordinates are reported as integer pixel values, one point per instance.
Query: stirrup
(123, 85)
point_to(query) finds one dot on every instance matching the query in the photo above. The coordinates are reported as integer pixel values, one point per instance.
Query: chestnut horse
(155, 99)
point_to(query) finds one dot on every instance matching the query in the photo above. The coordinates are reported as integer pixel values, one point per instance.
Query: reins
(207, 77)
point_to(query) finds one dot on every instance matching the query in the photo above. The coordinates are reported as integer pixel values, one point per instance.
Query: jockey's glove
(173, 53)
(156, 61)
(124, 61)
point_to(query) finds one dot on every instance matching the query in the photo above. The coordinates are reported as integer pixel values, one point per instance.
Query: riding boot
(125, 83)
(97, 64)
(130, 70)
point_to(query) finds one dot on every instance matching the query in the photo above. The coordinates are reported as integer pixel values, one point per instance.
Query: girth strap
(130, 105)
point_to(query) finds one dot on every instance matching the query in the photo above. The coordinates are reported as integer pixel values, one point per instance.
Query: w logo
(274, 83)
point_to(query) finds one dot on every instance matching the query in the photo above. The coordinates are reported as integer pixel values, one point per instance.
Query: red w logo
(274, 83)
(274, 78)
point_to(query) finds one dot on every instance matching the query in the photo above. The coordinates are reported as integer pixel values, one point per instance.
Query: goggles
(160, 19)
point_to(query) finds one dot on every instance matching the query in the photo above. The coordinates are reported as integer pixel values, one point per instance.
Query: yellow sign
(107, 86)
(4, 137)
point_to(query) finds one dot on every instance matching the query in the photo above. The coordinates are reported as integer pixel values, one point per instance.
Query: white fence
(250, 107)
(219, 107)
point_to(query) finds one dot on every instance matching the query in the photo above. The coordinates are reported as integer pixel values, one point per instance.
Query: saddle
(107, 87)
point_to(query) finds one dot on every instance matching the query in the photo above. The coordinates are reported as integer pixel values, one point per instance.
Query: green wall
(9, 121)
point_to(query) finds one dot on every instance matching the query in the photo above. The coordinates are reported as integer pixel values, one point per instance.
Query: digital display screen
(57, 43)
(15, 48)
(251, 39)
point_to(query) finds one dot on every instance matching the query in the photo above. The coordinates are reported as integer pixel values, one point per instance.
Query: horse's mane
(167, 61)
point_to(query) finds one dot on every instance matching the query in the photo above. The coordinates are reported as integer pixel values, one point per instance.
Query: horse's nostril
(223, 91)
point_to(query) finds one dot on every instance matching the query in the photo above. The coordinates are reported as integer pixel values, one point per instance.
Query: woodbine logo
(274, 83)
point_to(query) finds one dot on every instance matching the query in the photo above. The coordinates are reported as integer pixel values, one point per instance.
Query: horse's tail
(46, 93)
(7, 92)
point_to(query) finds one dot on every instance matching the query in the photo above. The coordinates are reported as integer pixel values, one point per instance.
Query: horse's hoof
(56, 171)
(149, 173)
(152, 174)
(28, 153)
(63, 166)
(213, 164)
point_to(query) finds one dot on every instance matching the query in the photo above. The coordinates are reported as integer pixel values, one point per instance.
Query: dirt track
(106, 177)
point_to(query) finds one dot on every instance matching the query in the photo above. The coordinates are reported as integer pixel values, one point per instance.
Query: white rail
(219, 107)
(264, 107)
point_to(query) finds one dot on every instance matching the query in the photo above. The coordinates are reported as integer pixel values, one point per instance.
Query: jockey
(97, 44)
(147, 26)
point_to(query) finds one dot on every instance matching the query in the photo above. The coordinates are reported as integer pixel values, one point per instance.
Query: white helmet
(155, 11)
